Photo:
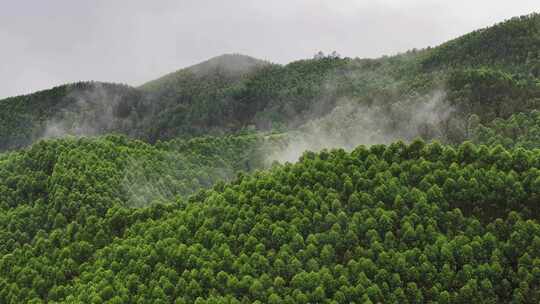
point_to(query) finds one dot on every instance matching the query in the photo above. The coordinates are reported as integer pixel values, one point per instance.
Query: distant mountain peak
(232, 63)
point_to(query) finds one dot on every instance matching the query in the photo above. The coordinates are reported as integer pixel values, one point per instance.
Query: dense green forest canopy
(186, 204)
(393, 224)
(520, 130)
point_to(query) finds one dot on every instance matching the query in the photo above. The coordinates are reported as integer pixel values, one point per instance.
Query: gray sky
(50, 42)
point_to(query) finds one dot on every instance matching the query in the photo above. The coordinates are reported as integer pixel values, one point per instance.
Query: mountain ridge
(233, 64)
(232, 92)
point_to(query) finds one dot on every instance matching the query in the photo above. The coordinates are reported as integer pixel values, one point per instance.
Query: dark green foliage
(197, 100)
(493, 93)
(213, 103)
(520, 130)
(192, 102)
(492, 73)
(84, 108)
(513, 45)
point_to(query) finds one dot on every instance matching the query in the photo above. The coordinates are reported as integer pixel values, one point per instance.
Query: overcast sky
(50, 42)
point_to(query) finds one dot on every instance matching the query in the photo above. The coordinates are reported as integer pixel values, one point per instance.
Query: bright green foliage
(170, 219)
(55, 183)
(62, 200)
(392, 224)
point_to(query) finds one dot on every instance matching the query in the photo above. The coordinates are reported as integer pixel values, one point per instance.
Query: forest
(219, 183)
(398, 223)
(492, 73)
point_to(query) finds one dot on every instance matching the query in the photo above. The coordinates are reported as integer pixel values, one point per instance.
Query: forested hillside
(492, 73)
(84, 108)
(520, 130)
(418, 181)
(512, 45)
(391, 224)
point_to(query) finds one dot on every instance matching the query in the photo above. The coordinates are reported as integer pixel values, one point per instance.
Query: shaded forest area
(492, 73)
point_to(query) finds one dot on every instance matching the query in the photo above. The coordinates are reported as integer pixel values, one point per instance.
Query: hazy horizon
(61, 41)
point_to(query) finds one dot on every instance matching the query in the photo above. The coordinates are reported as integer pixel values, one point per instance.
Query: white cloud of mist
(165, 175)
(351, 124)
(87, 112)
(142, 185)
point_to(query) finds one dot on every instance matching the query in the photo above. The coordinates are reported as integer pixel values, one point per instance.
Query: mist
(93, 110)
(143, 186)
(351, 124)
(336, 121)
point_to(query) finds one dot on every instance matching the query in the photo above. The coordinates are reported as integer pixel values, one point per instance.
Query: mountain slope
(520, 130)
(84, 108)
(513, 45)
(392, 224)
(492, 73)
(178, 218)
(231, 65)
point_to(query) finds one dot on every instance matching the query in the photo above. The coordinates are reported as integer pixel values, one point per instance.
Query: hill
(520, 130)
(188, 204)
(490, 72)
(232, 66)
(394, 224)
(84, 108)
(512, 45)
